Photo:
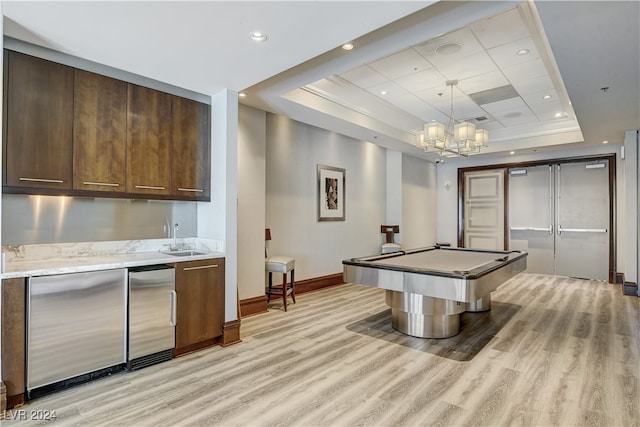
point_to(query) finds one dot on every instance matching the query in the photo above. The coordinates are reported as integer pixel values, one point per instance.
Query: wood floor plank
(553, 351)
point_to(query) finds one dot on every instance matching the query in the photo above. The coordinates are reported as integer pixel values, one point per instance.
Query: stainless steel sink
(185, 253)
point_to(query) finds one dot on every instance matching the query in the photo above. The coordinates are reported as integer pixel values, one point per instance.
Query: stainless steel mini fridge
(76, 328)
(152, 315)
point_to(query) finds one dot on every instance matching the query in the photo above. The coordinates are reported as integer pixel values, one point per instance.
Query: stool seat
(280, 264)
(388, 248)
(284, 265)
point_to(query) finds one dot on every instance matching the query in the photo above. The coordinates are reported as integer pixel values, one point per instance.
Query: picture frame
(331, 193)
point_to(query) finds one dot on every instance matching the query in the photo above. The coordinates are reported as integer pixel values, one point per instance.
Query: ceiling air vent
(494, 95)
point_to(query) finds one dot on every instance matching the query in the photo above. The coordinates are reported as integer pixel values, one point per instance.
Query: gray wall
(293, 151)
(419, 203)
(251, 201)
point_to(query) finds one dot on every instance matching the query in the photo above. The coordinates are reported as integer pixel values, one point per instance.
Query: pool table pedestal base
(428, 317)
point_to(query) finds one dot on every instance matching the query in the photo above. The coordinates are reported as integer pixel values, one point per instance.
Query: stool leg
(293, 286)
(284, 290)
(270, 287)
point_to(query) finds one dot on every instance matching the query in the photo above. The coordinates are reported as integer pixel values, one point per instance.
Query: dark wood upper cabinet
(190, 151)
(38, 124)
(72, 132)
(149, 134)
(99, 133)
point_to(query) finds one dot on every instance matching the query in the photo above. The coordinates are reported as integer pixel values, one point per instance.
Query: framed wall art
(331, 193)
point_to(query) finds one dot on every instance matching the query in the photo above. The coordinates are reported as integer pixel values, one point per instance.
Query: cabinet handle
(107, 184)
(173, 296)
(202, 267)
(190, 189)
(150, 187)
(57, 181)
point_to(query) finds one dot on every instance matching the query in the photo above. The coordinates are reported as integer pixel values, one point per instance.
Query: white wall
(394, 193)
(448, 198)
(1, 162)
(632, 163)
(251, 200)
(419, 203)
(293, 152)
(218, 219)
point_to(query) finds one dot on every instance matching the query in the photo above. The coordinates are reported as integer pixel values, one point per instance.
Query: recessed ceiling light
(257, 36)
(242, 94)
(546, 97)
(512, 152)
(348, 46)
(383, 92)
(523, 52)
(605, 142)
(558, 115)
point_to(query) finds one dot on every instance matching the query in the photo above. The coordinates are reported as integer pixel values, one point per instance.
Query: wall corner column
(218, 219)
(394, 191)
(632, 183)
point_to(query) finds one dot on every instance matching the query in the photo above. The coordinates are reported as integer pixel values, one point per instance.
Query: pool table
(428, 288)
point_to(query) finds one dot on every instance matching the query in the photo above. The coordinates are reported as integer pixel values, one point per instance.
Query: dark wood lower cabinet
(200, 308)
(13, 339)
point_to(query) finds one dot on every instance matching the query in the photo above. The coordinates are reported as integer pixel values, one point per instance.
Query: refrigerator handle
(173, 297)
(551, 200)
(558, 198)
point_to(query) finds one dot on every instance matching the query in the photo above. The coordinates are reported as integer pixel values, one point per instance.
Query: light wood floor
(553, 351)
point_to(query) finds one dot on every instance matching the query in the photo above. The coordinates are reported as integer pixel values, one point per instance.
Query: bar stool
(390, 246)
(279, 264)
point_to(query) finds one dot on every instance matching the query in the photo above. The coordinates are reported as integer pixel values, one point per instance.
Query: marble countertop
(44, 261)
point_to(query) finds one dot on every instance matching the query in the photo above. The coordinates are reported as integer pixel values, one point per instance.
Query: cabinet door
(13, 339)
(190, 155)
(99, 133)
(148, 141)
(200, 308)
(39, 123)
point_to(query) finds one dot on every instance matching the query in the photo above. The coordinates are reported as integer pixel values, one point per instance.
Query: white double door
(559, 214)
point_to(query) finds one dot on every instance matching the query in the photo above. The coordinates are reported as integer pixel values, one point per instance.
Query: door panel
(582, 235)
(531, 216)
(484, 210)
(559, 214)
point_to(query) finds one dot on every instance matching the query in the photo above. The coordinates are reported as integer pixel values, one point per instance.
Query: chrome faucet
(175, 235)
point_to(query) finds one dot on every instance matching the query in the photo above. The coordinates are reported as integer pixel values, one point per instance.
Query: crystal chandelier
(454, 138)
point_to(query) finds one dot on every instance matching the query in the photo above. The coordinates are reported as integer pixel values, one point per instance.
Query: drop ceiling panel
(467, 110)
(418, 108)
(533, 85)
(471, 66)
(525, 71)
(479, 83)
(550, 115)
(537, 98)
(401, 64)
(490, 125)
(499, 108)
(422, 80)
(391, 90)
(513, 119)
(507, 54)
(364, 77)
(432, 49)
(440, 97)
(500, 29)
